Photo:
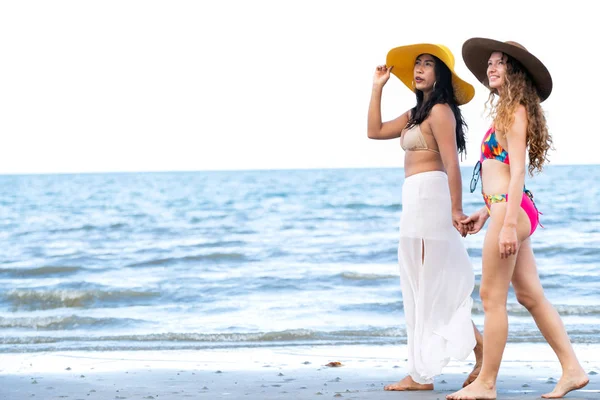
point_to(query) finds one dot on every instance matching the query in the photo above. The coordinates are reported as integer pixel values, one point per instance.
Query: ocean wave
(574, 277)
(33, 299)
(563, 309)
(557, 249)
(395, 306)
(215, 257)
(576, 335)
(223, 243)
(65, 322)
(546, 283)
(204, 219)
(357, 276)
(40, 271)
(187, 340)
(280, 285)
(89, 228)
(353, 255)
(274, 336)
(366, 206)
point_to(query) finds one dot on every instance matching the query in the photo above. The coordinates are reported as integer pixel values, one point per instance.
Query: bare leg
(478, 350)
(408, 384)
(495, 281)
(530, 294)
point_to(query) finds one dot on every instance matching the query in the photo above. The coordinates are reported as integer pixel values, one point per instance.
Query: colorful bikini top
(412, 140)
(491, 149)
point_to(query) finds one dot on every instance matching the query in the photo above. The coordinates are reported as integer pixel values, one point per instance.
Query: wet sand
(296, 372)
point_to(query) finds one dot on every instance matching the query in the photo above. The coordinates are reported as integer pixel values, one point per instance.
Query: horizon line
(239, 170)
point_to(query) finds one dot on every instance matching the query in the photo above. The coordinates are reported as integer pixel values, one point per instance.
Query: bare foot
(408, 384)
(473, 375)
(567, 383)
(478, 350)
(475, 391)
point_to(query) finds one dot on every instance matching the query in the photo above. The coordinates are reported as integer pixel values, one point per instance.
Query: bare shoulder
(519, 126)
(521, 113)
(441, 118)
(441, 111)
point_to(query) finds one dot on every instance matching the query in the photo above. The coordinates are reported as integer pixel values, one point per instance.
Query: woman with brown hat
(436, 274)
(518, 83)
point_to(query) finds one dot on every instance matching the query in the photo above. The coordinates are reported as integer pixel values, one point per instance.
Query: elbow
(451, 164)
(371, 134)
(518, 173)
(518, 176)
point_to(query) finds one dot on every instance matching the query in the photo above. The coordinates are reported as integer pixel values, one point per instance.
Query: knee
(529, 300)
(492, 299)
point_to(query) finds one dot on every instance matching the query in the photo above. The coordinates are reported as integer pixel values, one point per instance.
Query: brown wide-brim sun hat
(403, 60)
(476, 53)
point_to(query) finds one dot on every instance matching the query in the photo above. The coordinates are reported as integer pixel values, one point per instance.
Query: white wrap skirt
(436, 278)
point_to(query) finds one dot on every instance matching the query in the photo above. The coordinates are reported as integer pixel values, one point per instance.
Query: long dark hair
(443, 93)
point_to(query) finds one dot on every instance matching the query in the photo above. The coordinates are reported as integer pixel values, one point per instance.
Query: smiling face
(424, 73)
(496, 70)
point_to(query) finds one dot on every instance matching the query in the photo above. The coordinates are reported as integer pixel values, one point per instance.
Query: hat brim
(476, 53)
(403, 60)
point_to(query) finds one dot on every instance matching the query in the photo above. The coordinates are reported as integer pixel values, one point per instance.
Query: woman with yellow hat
(436, 274)
(518, 83)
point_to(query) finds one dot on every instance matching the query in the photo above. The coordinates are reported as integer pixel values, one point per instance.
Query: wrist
(509, 225)
(377, 87)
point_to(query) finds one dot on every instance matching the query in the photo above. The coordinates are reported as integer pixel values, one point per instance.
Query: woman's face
(424, 73)
(496, 70)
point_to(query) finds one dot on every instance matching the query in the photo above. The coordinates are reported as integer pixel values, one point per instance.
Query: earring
(413, 83)
(434, 85)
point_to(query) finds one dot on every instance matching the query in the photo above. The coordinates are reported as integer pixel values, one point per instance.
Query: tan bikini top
(412, 140)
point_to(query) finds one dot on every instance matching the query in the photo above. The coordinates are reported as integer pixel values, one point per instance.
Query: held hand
(508, 242)
(457, 218)
(382, 74)
(475, 222)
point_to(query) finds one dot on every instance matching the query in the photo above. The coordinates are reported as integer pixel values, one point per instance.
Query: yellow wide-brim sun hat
(403, 60)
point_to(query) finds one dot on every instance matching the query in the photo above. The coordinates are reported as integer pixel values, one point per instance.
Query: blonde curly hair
(519, 88)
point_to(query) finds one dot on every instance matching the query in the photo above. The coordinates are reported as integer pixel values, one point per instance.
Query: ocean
(196, 260)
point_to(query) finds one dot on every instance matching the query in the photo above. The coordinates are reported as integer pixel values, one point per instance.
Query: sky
(128, 85)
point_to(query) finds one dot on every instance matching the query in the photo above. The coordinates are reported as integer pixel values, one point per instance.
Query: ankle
(487, 383)
(478, 354)
(574, 369)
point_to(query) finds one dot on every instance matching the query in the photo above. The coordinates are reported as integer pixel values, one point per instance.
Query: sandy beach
(267, 373)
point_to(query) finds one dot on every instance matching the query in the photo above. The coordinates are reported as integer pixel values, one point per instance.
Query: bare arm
(476, 221)
(375, 128)
(517, 147)
(443, 125)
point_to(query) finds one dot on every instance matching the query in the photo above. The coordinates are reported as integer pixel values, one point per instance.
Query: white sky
(90, 86)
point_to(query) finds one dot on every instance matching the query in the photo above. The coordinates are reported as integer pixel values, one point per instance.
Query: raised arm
(375, 128)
